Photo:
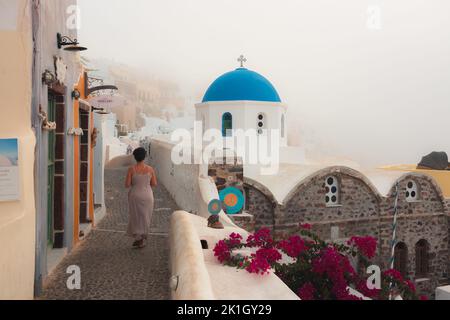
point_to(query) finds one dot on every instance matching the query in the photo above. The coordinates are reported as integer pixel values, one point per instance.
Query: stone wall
(358, 201)
(424, 219)
(260, 203)
(227, 172)
(361, 210)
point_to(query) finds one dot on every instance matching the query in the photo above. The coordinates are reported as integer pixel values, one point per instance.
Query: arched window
(401, 258)
(412, 191)
(282, 126)
(227, 124)
(261, 123)
(421, 258)
(332, 191)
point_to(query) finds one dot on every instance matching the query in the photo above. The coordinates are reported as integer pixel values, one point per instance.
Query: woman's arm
(153, 180)
(128, 179)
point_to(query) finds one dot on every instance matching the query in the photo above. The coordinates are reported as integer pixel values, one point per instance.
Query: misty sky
(377, 96)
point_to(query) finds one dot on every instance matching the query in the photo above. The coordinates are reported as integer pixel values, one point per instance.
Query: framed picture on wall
(9, 170)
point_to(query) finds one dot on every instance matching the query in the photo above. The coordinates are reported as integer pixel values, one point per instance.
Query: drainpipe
(36, 99)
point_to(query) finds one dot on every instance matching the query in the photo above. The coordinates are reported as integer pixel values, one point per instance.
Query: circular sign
(214, 206)
(232, 199)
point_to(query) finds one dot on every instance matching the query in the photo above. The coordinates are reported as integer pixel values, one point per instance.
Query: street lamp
(76, 94)
(72, 44)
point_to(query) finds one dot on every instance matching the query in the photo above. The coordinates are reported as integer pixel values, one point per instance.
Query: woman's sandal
(136, 243)
(141, 244)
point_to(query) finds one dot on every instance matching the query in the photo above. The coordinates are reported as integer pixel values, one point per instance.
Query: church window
(401, 258)
(261, 123)
(227, 124)
(421, 258)
(412, 191)
(332, 191)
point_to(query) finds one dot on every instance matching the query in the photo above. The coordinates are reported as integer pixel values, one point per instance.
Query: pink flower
(340, 289)
(221, 251)
(337, 268)
(367, 246)
(423, 298)
(410, 285)
(332, 263)
(258, 265)
(305, 226)
(293, 246)
(370, 293)
(349, 296)
(270, 254)
(393, 274)
(307, 291)
(261, 238)
(234, 239)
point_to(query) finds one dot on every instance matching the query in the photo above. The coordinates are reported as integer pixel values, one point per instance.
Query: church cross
(241, 59)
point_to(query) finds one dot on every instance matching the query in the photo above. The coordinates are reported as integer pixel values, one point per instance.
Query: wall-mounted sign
(9, 170)
(107, 101)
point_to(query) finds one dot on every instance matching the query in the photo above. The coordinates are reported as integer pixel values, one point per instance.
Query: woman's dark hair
(139, 154)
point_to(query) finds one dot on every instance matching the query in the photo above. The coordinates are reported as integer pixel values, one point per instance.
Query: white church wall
(292, 155)
(202, 114)
(216, 113)
(245, 115)
(180, 180)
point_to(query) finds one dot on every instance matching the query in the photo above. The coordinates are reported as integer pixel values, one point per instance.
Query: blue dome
(241, 84)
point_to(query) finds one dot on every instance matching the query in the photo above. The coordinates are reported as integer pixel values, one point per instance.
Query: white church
(244, 99)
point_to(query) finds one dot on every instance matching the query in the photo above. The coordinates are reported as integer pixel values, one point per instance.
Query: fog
(376, 92)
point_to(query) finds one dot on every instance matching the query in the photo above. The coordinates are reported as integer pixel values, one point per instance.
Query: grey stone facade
(362, 210)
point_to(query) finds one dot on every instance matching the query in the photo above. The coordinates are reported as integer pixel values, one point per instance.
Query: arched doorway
(422, 262)
(401, 258)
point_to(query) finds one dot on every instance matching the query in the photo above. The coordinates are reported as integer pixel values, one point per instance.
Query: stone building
(339, 201)
(422, 232)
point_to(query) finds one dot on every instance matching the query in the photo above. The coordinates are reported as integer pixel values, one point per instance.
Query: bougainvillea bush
(313, 268)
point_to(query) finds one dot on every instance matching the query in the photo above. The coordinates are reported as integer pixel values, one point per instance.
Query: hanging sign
(107, 101)
(9, 170)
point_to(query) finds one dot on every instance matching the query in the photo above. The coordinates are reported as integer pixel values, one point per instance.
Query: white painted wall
(100, 122)
(443, 293)
(17, 218)
(190, 279)
(245, 117)
(244, 114)
(50, 18)
(180, 180)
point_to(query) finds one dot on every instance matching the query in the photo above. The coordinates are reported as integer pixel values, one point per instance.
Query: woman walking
(141, 179)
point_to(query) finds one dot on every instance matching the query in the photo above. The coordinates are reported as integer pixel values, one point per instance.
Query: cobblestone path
(110, 268)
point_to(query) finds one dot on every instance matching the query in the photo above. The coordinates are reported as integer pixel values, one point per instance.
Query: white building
(245, 100)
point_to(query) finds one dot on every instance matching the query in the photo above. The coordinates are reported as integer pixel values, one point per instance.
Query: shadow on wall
(120, 162)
